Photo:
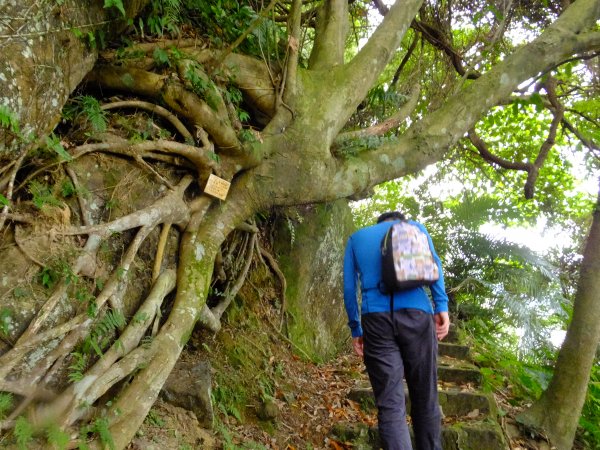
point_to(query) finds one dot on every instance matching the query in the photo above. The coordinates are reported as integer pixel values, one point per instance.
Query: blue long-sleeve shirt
(362, 264)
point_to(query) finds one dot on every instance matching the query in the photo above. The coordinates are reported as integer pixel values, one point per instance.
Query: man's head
(391, 215)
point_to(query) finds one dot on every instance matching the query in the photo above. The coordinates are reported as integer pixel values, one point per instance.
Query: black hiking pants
(396, 346)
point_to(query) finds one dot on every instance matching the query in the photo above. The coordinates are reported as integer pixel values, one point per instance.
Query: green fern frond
(94, 113)
(23, 432)
(172, 14)
(6, 404)
(77, 367)
(8, 119)
(103, 431)
(103, 332)
(42, 195)
(57, 438)
(112, 321)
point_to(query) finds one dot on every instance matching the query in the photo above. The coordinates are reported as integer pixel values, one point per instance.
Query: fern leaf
(6, 403)
(23, 432)
(8, 119)
(53, 143)
(95, 114)
(103, 431)
(57, 438)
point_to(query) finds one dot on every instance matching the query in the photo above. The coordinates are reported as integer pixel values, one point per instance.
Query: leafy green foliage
(103, 332)
(381, 101)
(9, 120)
(115, 4)
(6, 404)
(154, 419)
(5, 321)
(4, 201)
(223, 20)
(23, 432)
(501, 368)
(161, 57)
(202, 85)
(53, 143)
(227, 401)
(57, 438)
(67, 189)
(247, 136)
(590, 416)
(164, 16)
(102, 429)
(77, 367)
(48, 277)
(88, 109)
(42, 195)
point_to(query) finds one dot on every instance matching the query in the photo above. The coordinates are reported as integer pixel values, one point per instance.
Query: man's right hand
(357, 344)
(442, 325)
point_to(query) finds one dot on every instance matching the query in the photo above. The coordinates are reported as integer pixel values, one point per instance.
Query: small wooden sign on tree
(217, 187)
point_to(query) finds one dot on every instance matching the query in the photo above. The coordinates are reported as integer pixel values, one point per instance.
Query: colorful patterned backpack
(406, 258)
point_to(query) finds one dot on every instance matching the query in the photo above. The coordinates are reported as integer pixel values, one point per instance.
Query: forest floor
(310, 410)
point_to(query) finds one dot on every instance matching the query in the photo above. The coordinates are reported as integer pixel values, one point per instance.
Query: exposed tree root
(116, 364)
(160, 250)
(156, 109)
(168, 208)
(11, 184)
(86, 216)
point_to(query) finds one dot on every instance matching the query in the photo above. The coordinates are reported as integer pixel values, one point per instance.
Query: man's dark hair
(391, 215)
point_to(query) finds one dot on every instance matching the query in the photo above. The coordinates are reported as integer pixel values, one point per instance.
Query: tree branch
(485, 153)
(392, 122)
(183, 102)
(330, 35)
(426, 141)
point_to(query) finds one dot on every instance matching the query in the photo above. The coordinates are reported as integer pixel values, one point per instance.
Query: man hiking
(397, 335)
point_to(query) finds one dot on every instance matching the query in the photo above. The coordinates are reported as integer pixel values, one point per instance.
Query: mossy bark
(310, 243)
(47, 49)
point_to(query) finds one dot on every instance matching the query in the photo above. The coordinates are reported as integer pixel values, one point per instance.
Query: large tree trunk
(308, 242)
(557, 411)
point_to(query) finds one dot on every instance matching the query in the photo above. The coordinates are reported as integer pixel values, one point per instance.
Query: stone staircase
(470, 415)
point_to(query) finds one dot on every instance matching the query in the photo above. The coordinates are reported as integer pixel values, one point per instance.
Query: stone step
(456, 351)
(474, 435)
(484, 435)
(459, 372)
(454, 402)
(476, 404)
